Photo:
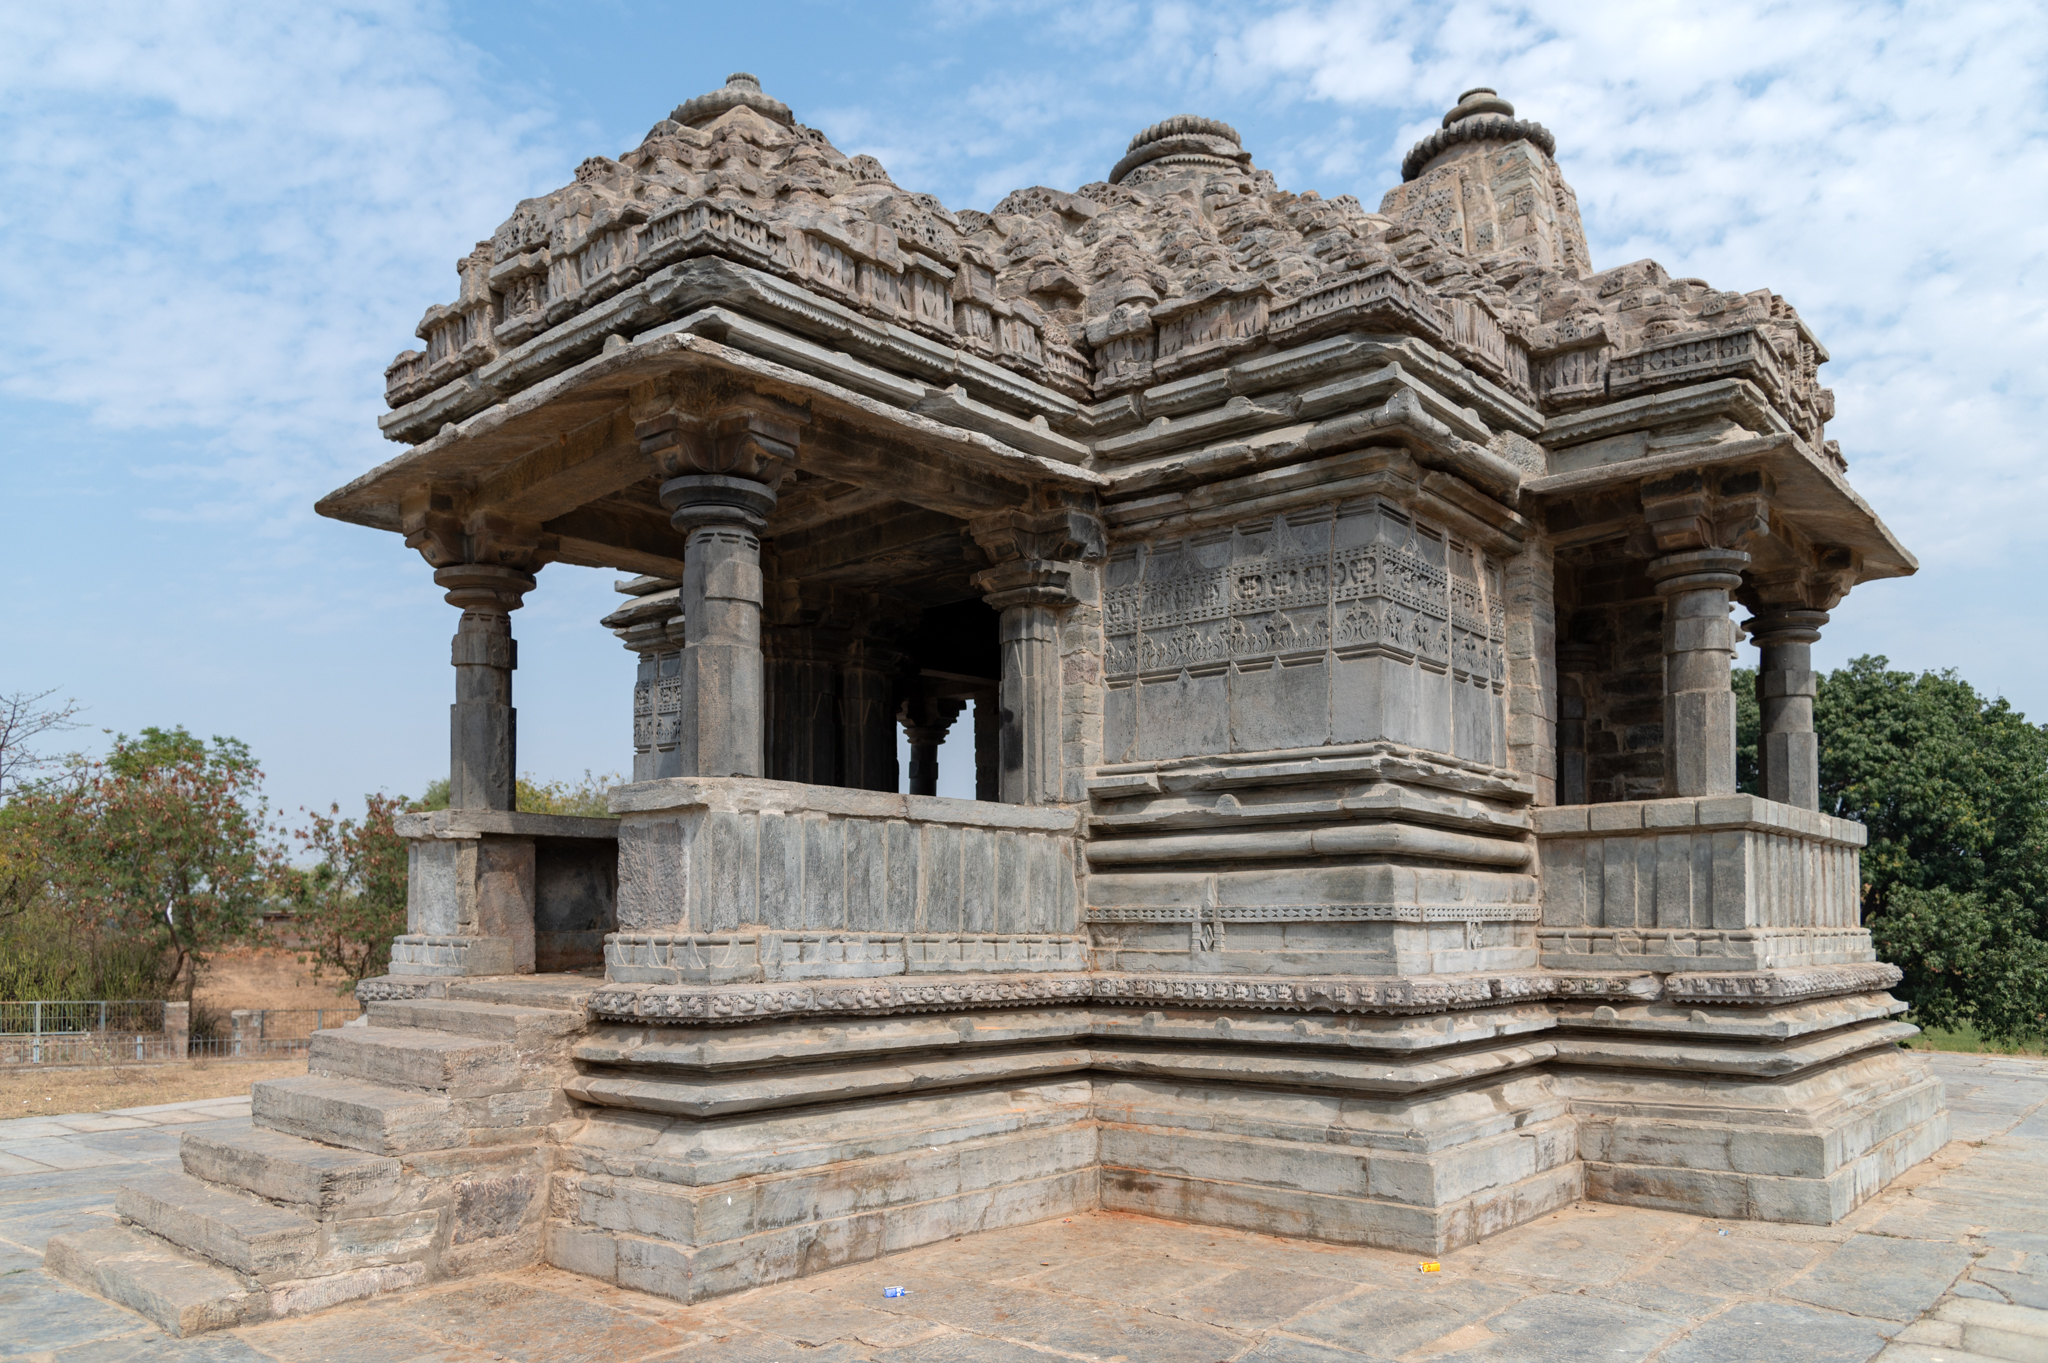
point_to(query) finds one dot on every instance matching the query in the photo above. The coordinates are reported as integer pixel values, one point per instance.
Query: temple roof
(1185, 255)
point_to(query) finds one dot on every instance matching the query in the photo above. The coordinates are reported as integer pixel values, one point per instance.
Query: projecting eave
(1809, 492)
(556, 444)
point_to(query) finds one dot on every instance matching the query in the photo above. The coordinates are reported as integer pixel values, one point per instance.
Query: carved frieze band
(1357, 581)
(1780, 986)
(1315, 913)
(1335, 994)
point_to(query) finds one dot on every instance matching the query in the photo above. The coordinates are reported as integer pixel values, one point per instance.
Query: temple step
(285, 1168)
(368, 1117)
(444, 1062)
(531, 1029)
(237, 1231)
(187, 1295)
(183, 1295)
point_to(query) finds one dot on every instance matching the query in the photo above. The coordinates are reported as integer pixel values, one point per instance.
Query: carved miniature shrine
(1339, 602)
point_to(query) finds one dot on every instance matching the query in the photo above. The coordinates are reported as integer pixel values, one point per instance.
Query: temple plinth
(1343, 599)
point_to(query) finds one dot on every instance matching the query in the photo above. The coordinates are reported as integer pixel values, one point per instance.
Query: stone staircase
(414, 1150)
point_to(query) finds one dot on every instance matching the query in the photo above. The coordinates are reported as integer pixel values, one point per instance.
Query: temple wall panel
(1343, 624)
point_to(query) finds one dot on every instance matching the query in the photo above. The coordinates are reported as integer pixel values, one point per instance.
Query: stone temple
(1342, 602)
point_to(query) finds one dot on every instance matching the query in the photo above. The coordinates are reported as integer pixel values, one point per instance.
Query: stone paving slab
(1949, 1264)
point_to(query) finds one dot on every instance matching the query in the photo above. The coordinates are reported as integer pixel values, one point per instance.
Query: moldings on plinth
(1312, 994)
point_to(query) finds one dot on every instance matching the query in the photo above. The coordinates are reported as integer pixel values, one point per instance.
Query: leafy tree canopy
(1954, 790)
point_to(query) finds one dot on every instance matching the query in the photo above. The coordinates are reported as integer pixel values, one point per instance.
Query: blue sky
(221, 221)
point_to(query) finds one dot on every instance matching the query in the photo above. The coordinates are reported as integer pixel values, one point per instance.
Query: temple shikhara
(1341, 602)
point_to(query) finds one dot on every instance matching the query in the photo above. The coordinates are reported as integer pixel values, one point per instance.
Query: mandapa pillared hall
(1343, 602)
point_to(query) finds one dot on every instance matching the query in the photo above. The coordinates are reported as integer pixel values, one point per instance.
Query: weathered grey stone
(284, 1168)
(248, 1235)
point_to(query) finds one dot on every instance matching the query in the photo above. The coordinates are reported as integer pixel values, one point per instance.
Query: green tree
(585, 799)
(1954, 790)
(348, 907)
(160, 847)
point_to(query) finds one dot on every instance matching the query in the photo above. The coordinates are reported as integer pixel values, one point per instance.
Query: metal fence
(132, 1031)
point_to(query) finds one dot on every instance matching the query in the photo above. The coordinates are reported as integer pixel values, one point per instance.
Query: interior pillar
(988, 748)
(925, 723)
(733, 462)
(1574, 662)
(1788, 750)
(867, 716)
(483, 758)
(1699, 651)
(650, 627)
(1029, 594)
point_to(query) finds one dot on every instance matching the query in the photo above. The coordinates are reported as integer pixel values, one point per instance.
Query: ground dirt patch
(265, 977)
(37, 1092)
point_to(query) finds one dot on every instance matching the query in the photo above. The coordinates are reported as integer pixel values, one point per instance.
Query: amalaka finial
(1184, 139)
(1480, 115)
(741, 88)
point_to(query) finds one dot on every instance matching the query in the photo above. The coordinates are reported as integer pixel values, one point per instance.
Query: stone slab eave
(490, 440)
(1810, 493)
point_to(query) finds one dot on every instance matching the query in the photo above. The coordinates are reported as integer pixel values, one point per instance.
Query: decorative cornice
(1301, 994)
(1781, 986)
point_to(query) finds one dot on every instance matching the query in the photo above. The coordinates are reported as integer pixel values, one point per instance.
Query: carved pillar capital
(489, 588)
(1061, 533)
(1771, 628)
(1697, 510)
(1029, 582)
(722, 467)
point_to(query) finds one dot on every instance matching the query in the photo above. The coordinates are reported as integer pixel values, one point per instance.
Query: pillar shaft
(867, 728)
(483, 757)
(988, 748)
(1788, 750)
(803, 682)
(1699, 651)
(722, 672)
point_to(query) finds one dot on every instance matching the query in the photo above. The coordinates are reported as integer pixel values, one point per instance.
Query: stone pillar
(1788, 750)
(867, 711)
(651, 628)
(1699, 650)
(925, 723)
(728, 468)
(483, 757)
(1574, 662)
(988, 748)
(803, 683)
(1029, 594)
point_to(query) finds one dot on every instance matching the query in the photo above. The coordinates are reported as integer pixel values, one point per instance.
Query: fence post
(257, 1018)
(237, 1019)
(177, 1028)
(35, 1053)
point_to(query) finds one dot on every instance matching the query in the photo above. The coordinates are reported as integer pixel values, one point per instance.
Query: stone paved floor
(1950, 1264)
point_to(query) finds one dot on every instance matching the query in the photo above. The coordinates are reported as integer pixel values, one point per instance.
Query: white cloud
(217, 218)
